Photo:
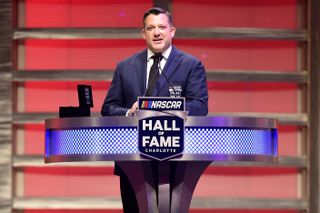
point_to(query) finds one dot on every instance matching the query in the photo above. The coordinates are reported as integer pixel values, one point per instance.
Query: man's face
(157, 32)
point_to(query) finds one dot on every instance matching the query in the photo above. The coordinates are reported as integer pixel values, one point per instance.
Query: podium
(170, 187)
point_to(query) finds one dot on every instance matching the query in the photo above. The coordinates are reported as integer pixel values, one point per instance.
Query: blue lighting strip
(92, 141)
(230, 141)
(198, 140)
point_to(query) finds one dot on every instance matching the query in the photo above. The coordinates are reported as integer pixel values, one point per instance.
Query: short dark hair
(157, 11)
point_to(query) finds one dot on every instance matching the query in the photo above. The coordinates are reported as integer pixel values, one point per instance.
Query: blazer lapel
(141, 70)
(169, 69)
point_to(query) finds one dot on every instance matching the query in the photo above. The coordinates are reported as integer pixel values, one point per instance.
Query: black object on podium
(85, 103)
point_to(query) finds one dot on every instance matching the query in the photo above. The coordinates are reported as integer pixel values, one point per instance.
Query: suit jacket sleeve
(114, 101)
(197, 91)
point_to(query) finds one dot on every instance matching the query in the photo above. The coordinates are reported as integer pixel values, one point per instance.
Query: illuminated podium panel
(170, 188)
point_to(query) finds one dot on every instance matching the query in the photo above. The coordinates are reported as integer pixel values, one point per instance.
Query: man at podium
(160, 70)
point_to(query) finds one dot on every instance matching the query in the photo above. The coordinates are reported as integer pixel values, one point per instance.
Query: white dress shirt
(163, 62)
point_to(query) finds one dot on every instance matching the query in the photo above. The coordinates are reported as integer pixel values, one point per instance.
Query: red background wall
(216, 54)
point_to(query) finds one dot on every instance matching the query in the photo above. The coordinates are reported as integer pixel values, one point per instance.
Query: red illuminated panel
(73, 182)
(79, 54)
(288, 140)
(215, 54)
(248, 182)
(252, 97)
(216, 182)
(85, 13)
(34, 139)
(243, 54)
(223, 97)
(235, 13)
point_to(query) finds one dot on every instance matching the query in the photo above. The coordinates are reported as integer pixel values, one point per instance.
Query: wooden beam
(77, 33)
(83, 203)
(257, 76)
(314, 107)
(5, 105)
(212, 75)
(22, 203)
(134, 33)
(284, 119)
(23, 161)
(249, 204)
(62, 75)
(243, 33)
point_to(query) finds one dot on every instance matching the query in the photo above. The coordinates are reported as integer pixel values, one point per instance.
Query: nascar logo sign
(161, 133)
(161, 104)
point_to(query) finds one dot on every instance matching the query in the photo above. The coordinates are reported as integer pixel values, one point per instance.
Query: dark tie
(154, 73)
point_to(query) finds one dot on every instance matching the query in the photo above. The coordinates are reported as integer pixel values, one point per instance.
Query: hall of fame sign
(161, 127)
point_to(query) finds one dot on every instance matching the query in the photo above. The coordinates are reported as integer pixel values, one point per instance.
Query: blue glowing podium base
(169, 189)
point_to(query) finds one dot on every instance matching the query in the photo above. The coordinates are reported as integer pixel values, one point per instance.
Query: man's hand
(133, 108)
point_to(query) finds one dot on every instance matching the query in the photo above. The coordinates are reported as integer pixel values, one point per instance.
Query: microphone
(165, 76)
(145, 92)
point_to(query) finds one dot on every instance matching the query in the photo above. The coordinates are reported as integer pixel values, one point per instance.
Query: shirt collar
(165, 54)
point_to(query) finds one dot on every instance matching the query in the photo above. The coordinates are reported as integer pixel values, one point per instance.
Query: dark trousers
(129, 200)
(128, 197)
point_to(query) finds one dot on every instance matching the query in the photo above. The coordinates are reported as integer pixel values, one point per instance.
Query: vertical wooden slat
(314, 195)
(5, 105)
